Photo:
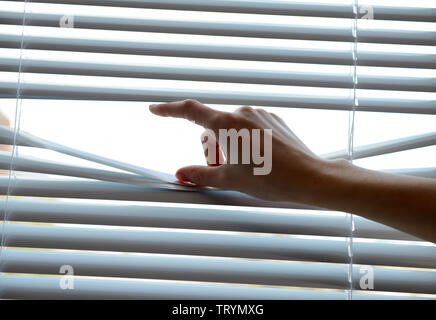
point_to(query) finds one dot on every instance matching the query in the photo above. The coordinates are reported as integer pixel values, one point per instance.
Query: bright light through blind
(89, 69)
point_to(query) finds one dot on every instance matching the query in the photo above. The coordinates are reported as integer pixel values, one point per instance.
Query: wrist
(331, 183)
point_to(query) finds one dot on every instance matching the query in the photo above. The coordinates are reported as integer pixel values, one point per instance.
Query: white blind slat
(406, 10)
(419, 172)
(303, 222)
(146, 20)
(161, 240)
(284, 50)
(24, 286)
(120, 89)
(114, 65)
(38, 166)
(178, 267)
(90, 189)
(220, 243)
(47, 286)
(391, 146)
(213, 269)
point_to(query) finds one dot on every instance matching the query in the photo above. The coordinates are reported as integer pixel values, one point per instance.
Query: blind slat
(9, 136)
(119, 191)
(185, 70)
(22, 286)
(406, 10)
(390, 146)
(393, 253)
(27, 164)
(152, 21)
(320, 8)
(38, 61)
(190, 242)
(220, 243)
(322, 52)
(177, 267)
(213, 269)
(418, 172)
(100, 88)
(306, 222)
(38, 39)
(89, 189)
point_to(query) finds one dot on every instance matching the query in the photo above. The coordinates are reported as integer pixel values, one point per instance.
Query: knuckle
(190, 102)
(277, 118)
(262, 111)
(245, 109)
(187, 106)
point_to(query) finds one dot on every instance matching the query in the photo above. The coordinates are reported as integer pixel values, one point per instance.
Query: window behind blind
(81, 73)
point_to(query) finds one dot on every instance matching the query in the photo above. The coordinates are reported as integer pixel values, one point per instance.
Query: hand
(297, 174)
(294, 168)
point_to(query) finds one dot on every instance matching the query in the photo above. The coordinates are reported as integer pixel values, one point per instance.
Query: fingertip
(183, 178)
(158, 110)
(153, 108)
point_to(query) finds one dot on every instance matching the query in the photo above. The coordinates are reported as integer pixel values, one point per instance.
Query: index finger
(188, 109)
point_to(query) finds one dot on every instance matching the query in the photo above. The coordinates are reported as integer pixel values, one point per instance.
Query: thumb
(203, 176)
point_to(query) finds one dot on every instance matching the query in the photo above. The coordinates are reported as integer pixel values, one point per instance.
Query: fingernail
(152, 106)
(181, 176)
(184, 179)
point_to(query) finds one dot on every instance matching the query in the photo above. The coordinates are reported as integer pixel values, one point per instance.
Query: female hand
(297, 174)
(294, 169)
